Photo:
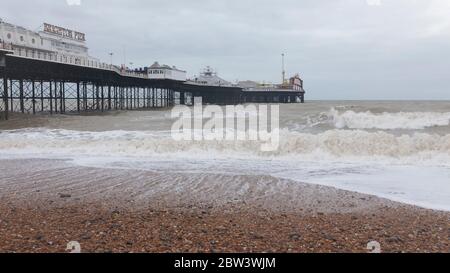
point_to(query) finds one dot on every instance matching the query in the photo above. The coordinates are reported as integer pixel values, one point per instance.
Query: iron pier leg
(33, 94)
(126, 97)
(138, 97)
(78, 98)
(103, 98)
(109, 98)
(85, 97)
(153, 97)
(51, 97)
(62, 94)
(148, 97)
(22, 105)
(93, 96)
(167, 98)
(97, 95)
(181, 98)
(5, 96)
(11, 92)
(42, 96)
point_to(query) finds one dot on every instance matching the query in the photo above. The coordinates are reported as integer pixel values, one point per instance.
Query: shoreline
(139, 211)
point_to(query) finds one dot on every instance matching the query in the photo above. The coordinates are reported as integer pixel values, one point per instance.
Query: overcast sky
(343, 49)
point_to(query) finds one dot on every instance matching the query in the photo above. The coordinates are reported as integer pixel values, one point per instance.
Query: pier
(51, 71)
(31, 85)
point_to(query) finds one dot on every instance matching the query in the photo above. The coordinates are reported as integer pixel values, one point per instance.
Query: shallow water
(397, 150)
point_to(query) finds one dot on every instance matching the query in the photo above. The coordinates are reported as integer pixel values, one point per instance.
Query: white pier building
(209, 77)
(62, 45)
(51, 43)
(157, 71)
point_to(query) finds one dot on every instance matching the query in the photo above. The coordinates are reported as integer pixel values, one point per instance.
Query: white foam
(346, 145)
(388, 121)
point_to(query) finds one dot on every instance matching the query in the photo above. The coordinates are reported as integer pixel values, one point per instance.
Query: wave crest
(388, 121)
(335, 144)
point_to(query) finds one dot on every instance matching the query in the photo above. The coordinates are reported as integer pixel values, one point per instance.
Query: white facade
(46, 45)
(157, 71)
(57, 44)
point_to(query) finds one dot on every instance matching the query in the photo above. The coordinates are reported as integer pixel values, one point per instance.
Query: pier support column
(22, 105)
(50, 90)
(121, 98)
(165, 98)
(138, 95)
(56, 98)
(127, 95)
(78, 98)
(169, 100)
(166, 93)
(153, 97)
(33, 96)
(133, 98)
(136, 98)
(144, 94)
(109, 98)
(42, 96)
(85, 97)
(5, 97)
(131, 93)
(130, 98)
(148, 97)
(62, 95)
(102, 98)
(172, 98)
(116, 97)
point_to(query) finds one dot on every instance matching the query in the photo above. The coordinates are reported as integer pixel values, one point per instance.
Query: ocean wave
(332, 144)
(388, 121)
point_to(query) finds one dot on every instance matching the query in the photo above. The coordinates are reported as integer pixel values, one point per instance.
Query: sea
(398, 150)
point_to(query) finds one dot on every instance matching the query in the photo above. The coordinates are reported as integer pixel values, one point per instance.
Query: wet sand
(44, 204)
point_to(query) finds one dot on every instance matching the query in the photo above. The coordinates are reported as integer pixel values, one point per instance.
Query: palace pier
(51, 71)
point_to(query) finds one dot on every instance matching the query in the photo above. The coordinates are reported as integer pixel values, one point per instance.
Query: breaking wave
(337, 144)
(388, 121)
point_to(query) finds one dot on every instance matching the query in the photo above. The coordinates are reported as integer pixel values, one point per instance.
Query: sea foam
(388, 121)
(328, 145)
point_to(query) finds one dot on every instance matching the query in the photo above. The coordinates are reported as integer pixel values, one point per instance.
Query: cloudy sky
(344, 49)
